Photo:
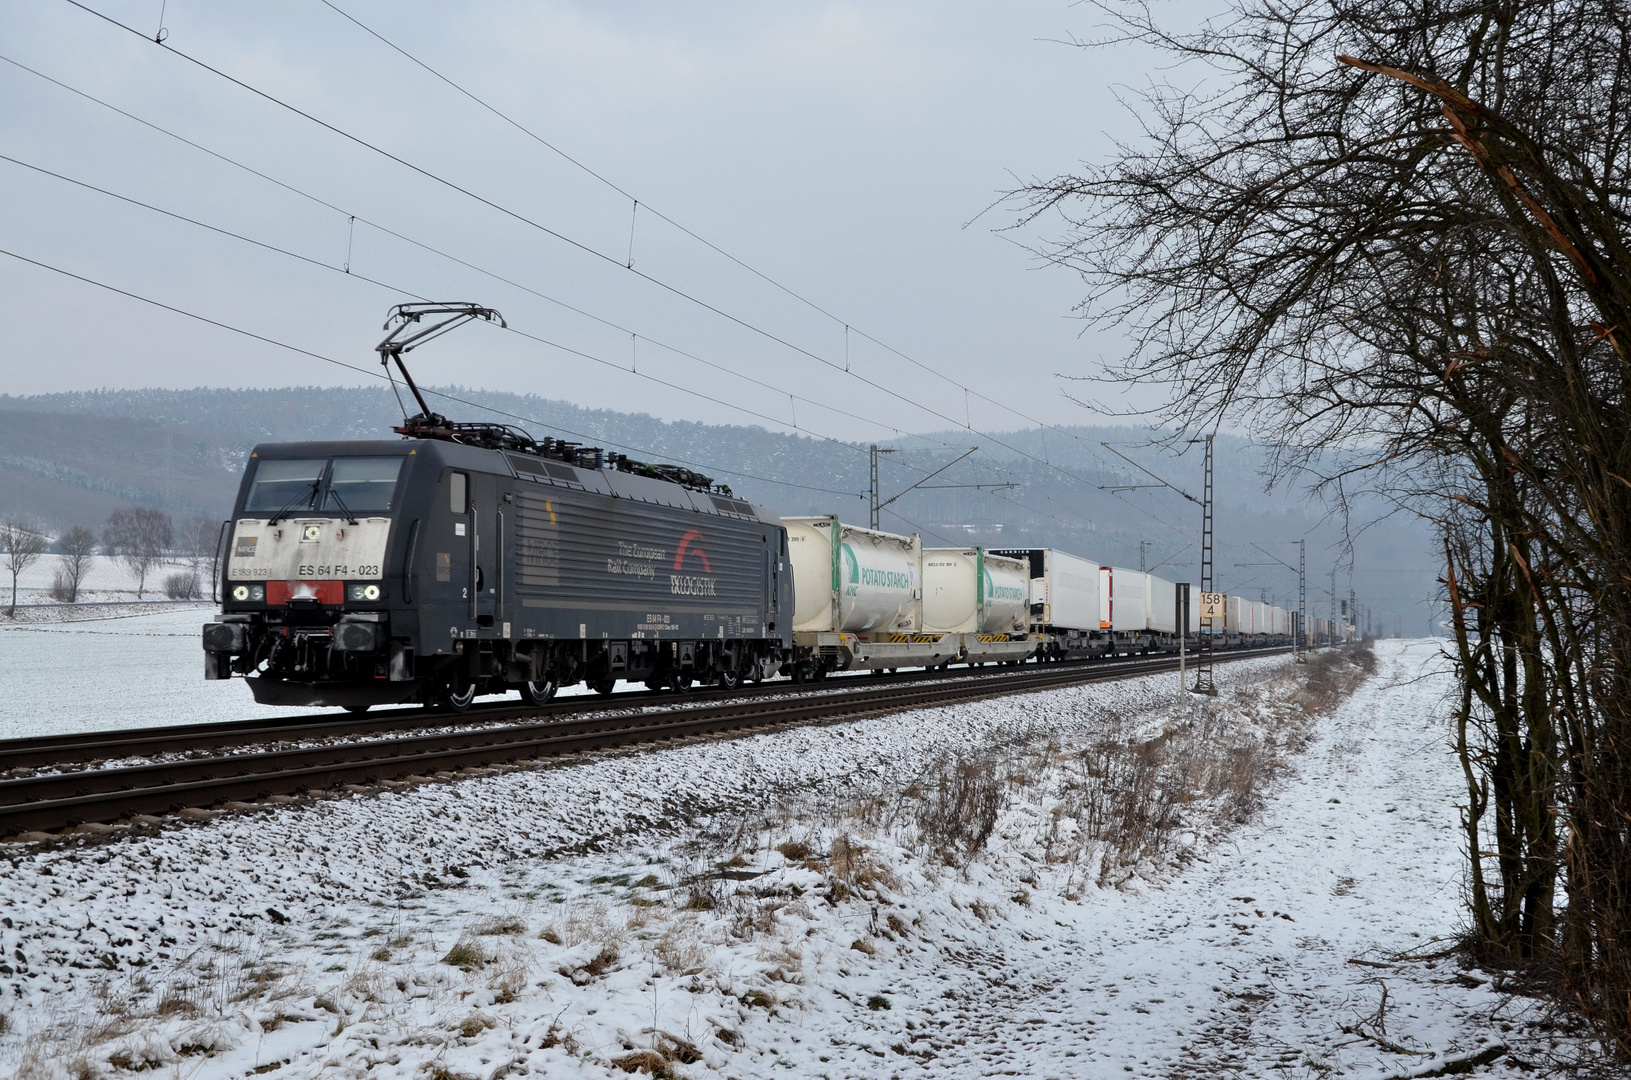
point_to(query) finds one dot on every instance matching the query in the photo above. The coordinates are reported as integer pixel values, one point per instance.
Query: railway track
(517, 733)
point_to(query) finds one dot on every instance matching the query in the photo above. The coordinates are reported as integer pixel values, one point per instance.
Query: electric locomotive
(468, 558)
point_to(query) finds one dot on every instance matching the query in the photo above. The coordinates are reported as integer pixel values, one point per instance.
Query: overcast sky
(841, 149)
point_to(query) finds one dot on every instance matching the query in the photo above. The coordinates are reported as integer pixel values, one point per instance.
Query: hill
(71, 458)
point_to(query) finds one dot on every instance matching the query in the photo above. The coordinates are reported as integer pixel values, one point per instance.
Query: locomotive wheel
(603, 686)
(458, 696)
(538, 692)
(730, 679)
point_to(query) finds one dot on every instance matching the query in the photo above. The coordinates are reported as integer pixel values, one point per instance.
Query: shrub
(62, 588)
(959, 810)
(183, 586)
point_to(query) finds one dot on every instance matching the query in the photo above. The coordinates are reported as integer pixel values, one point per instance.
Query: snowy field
(763, 906)
(107, 580)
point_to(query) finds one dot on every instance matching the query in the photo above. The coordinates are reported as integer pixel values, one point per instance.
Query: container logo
(874, 578)
(993, 591)
(685, 548)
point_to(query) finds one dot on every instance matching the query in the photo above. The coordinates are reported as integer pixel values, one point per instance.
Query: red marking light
(324, 592)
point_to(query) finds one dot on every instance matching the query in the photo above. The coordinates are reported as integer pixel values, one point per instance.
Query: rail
(107, 794)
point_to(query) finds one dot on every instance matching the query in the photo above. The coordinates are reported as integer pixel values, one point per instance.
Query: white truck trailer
(1064, 602)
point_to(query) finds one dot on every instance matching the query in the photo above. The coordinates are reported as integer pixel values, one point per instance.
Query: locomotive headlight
(241, 592)
(257, 592)
(370, 592)
(356, 592)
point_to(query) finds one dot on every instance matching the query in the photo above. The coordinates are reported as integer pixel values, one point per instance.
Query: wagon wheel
(458, 694)
(539, 691)
(681, 682)
(730, 679)
(356, 710)
(603, 686)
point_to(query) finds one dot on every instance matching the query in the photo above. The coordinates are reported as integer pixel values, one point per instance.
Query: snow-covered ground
(772, 904)
(107, 580)
(133, 669)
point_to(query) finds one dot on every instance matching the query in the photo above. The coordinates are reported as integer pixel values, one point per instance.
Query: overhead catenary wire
(346, 269)
(579, 245)
(352, 219)
(263, 338)
(636, 204)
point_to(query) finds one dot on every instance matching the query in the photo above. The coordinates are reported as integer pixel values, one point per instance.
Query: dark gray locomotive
(428, 569)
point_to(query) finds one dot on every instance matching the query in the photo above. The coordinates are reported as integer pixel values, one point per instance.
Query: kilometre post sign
(1211, 605)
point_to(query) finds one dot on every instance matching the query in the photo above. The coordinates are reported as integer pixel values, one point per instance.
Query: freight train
(467, 559)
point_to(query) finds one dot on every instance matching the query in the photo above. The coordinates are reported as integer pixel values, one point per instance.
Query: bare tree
(196, 539)
(23, 546)
(1391, 236)
(76, 548)
(140, 536)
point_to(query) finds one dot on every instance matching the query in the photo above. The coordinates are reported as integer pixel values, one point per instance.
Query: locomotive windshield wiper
(333, 493)
(310, 497)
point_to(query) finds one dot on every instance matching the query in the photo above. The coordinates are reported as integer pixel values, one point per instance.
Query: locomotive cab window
(286, 486)
(458, 495)
(362, 485)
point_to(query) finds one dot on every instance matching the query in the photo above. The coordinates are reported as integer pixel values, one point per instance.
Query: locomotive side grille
(727, 505)
(534, 468)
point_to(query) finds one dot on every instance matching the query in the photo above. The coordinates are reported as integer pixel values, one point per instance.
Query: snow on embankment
(1043, 884)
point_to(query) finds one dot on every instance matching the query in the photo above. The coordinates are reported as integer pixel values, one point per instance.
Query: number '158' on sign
(1211, 605)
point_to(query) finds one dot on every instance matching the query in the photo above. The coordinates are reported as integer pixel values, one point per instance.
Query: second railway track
(109, 794)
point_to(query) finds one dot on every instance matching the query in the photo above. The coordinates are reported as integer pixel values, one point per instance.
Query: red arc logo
(685, 544)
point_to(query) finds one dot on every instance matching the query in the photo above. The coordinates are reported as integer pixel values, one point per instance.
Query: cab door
(486, 550)
(453, 570)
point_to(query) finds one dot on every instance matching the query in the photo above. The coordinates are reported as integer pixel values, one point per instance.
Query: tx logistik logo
(683, 584)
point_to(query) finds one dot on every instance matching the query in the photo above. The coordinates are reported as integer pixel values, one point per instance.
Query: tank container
(971, 591)
(853, 580)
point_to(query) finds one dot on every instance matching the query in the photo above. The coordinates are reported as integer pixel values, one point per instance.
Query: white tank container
(971, 591)
(1006, 595)
(852, 580)
(1161, 605)
(1122, 605)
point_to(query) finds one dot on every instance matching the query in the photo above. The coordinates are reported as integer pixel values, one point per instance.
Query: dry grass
(466, 955)
(852, 864)
(681, 949)
(959, 809)
(508, 926)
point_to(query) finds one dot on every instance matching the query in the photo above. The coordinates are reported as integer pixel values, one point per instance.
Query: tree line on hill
(141, 538)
